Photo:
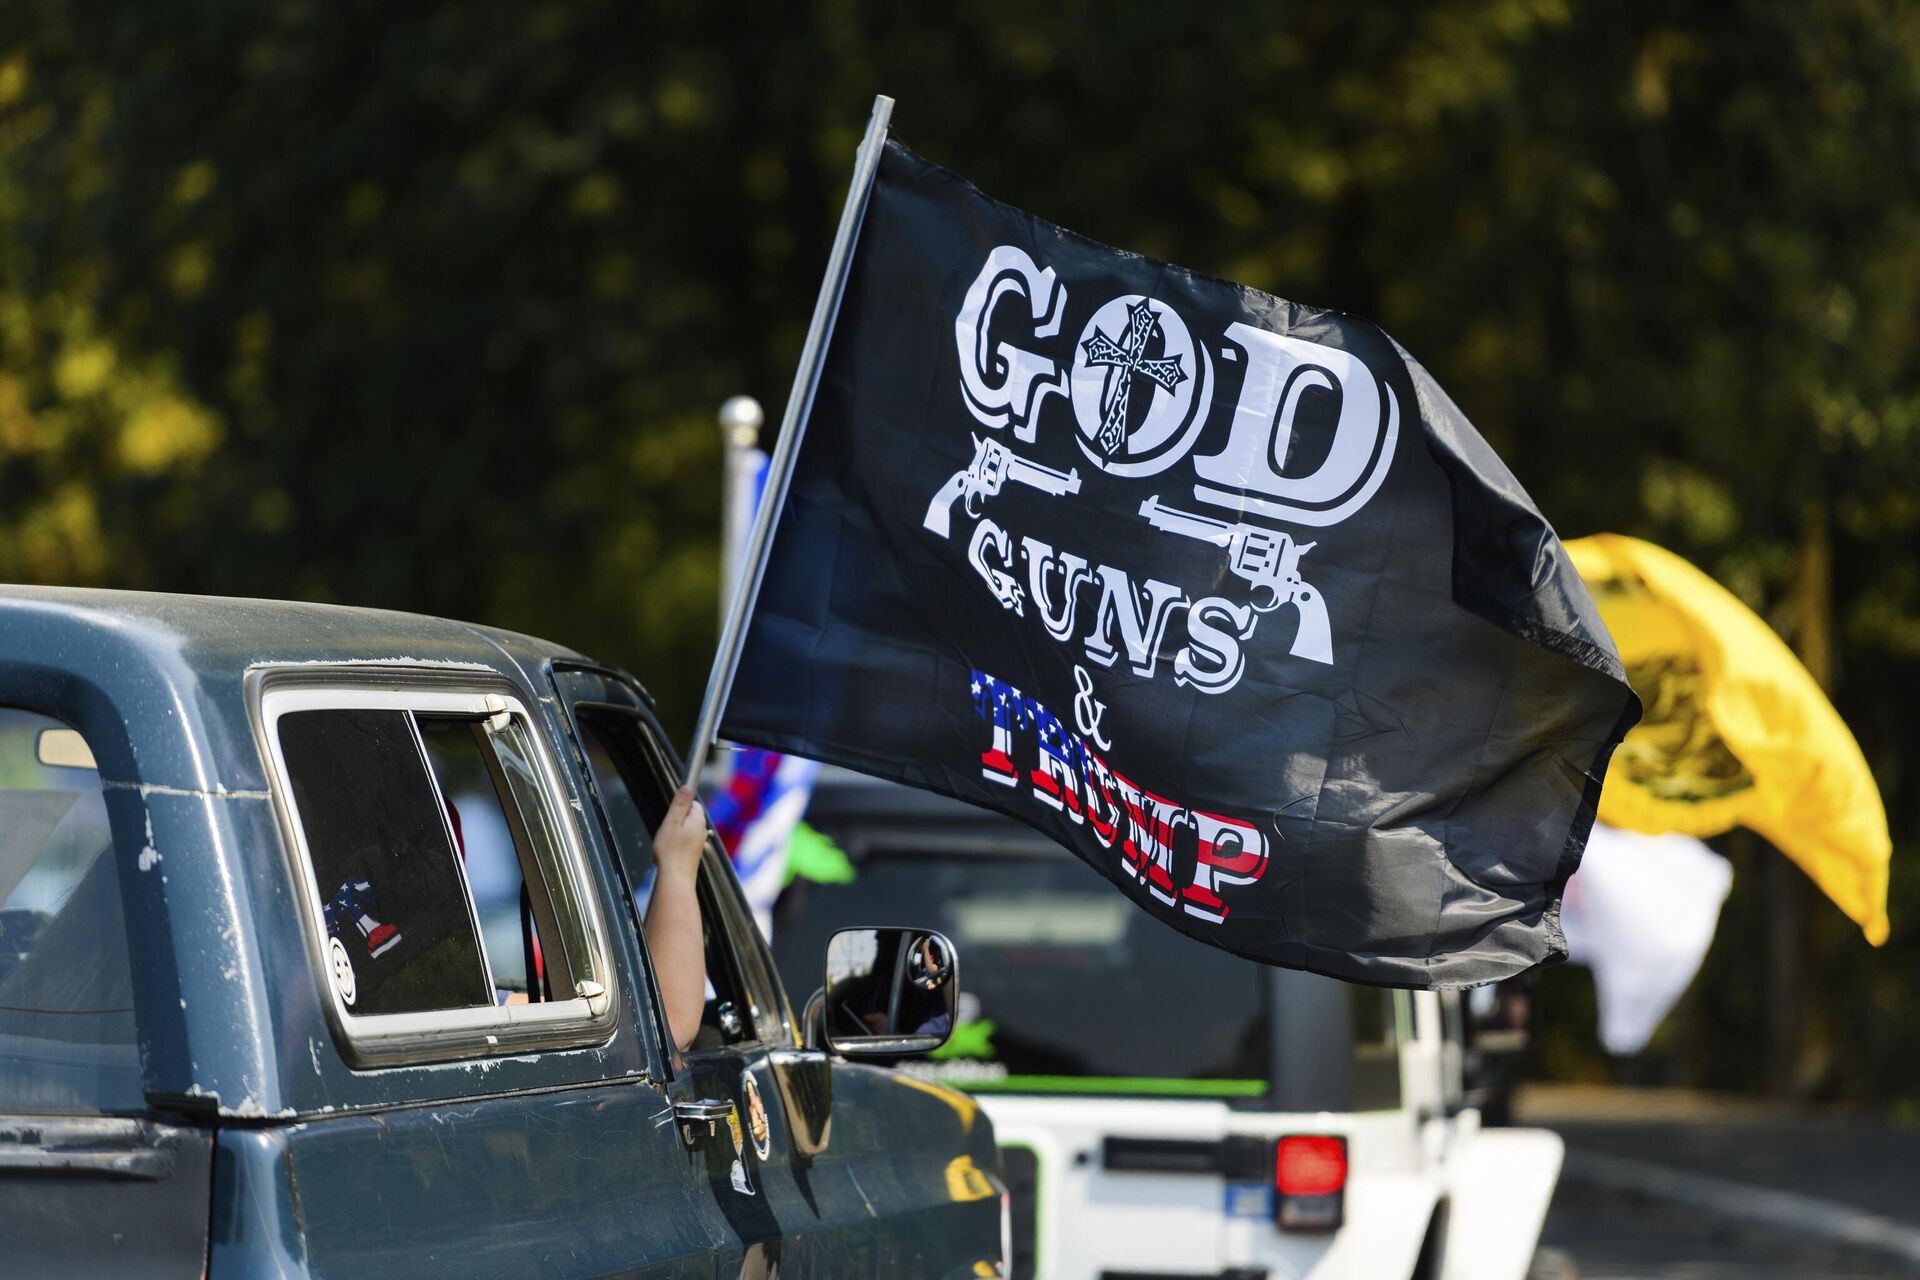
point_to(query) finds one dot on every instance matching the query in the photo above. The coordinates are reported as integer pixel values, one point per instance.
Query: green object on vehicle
(812, 856)
(1159, 1086)
(969, 1040)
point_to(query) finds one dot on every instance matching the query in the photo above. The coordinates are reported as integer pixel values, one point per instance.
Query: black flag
(1219, 591)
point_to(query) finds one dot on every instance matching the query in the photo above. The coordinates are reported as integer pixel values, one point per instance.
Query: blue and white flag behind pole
(755, 812)
(765, 795)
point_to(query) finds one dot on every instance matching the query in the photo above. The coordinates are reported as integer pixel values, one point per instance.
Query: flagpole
(806, 380)
(740, 422)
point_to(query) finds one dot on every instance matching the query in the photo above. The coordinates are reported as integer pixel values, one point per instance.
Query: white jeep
(1165, 1109)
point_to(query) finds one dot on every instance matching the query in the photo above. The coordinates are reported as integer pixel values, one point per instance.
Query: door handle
(701, 1117)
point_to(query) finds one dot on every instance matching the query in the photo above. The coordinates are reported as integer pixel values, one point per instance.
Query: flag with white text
(1219, 591)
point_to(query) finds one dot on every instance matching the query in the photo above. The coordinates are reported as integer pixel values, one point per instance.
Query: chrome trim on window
(376, 1040)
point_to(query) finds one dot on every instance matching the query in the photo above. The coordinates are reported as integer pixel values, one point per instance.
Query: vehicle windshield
(1065, 986)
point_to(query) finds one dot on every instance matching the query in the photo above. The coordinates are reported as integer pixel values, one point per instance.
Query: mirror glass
(1499, 1017)
(64, 749)
(890, 991)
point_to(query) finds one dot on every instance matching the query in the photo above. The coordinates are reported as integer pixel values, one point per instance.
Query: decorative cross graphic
(1127, 358)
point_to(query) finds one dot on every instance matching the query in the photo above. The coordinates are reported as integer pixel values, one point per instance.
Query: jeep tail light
(1310, 1181)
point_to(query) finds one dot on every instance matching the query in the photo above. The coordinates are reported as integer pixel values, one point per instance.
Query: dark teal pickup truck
(320, 956)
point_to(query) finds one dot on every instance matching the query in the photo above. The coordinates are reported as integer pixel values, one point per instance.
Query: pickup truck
(320, 956)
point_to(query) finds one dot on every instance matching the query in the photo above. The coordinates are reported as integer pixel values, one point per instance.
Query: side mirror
(1499, 1018)
(1497, 1027)
(889, 992)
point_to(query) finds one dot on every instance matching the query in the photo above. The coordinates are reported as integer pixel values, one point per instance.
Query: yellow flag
(1736, 730)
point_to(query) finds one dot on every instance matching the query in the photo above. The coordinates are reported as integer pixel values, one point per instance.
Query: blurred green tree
(430, 306)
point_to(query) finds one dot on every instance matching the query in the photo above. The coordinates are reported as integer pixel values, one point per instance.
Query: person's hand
(673, 915)
(681, 837)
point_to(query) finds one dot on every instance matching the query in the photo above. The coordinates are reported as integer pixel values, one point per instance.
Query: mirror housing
(889, 992)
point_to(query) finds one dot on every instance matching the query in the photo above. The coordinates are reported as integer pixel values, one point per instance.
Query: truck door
(92, 1182)
(495, 1106)
(780, 1205)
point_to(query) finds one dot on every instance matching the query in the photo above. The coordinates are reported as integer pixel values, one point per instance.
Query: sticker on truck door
(342, 967)
(739, 1177)
(756, 1118)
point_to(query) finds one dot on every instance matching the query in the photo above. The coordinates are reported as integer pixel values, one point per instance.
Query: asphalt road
(1605, 1232)
(1593, 1234)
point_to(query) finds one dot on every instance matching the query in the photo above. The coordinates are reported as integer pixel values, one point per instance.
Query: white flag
(1640, 913)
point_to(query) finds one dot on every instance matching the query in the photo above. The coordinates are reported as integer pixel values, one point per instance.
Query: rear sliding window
(393, 893)
(446, 892)
(1065, 985)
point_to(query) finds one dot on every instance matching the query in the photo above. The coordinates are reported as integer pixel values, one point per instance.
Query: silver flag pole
(806, 380)
(740, 422)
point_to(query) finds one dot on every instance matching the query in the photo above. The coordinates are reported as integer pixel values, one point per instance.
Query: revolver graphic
(992, 466)
(1268, 560)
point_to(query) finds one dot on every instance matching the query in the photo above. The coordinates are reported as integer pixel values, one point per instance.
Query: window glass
(402, 935)
(483, 837)
(559, 913)
(1376, 1048)
(1064, 983)
(631, 833)
(509, 846)
(67, 1038)
(634, 797)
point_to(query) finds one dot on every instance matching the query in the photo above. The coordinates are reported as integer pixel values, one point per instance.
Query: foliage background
(430, 306)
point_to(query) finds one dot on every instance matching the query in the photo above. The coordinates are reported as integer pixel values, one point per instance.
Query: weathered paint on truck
(260, 1148)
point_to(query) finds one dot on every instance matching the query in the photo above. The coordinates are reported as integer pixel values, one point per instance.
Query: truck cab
(1165, 1108)
(320, 955)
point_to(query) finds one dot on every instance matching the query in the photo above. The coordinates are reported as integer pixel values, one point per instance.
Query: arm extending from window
(673, 916)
